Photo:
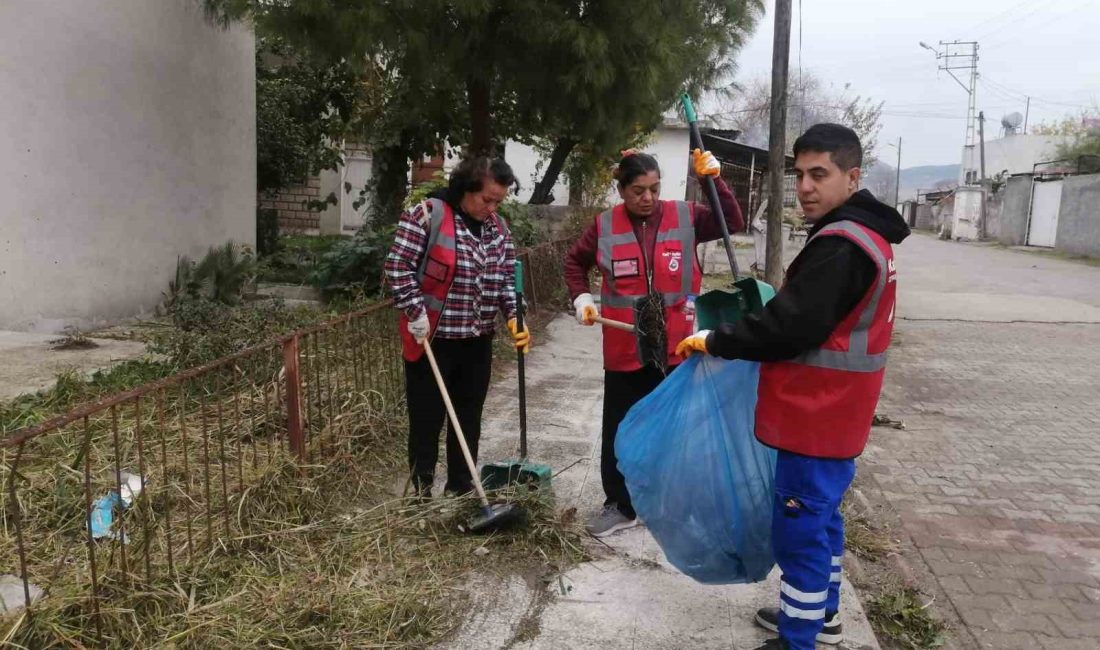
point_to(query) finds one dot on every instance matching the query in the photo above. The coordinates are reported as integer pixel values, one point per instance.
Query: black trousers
(621, 391)
(466, 366)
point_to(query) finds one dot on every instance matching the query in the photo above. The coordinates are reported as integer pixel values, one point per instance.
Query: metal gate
(1046, 199)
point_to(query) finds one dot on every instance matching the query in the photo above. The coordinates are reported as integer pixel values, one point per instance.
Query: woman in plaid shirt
(452, 269)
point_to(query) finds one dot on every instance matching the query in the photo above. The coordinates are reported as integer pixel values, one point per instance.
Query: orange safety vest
(624, 267)
(436, 273)
(822, 402)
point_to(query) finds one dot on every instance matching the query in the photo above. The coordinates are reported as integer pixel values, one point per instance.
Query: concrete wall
(967, 213)
(1079, 216)
(924, 220)
(128, 136)
(1016, 153)
(1014, 210)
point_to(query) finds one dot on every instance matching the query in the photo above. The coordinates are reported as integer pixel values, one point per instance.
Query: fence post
(293, 397)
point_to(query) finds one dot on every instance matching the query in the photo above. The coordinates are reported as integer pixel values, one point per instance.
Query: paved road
(996, 479)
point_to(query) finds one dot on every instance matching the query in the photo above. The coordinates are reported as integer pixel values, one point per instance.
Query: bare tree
(812, 101)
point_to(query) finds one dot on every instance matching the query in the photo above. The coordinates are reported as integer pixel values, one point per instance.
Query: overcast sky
(1043, 48)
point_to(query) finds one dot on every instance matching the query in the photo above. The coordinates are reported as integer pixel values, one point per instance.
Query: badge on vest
(625, 268)
(673, 258)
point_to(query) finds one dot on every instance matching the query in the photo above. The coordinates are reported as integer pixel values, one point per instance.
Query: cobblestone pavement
(996, 478)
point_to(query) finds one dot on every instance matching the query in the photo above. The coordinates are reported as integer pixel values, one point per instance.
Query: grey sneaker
(610, 520)
(831, 634)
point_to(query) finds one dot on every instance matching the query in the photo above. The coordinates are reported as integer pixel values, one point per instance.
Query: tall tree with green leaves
(478, 72)
(612, 70)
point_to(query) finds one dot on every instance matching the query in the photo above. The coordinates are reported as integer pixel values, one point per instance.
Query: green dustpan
(749, 294)
(718, 306)
(518, 471)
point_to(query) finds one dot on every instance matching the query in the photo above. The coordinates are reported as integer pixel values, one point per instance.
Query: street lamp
(928, 47)
(897, 179)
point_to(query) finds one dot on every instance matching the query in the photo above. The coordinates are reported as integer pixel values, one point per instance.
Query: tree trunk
(576, 188)
(481, 119)
(390, 168)
(541, 195)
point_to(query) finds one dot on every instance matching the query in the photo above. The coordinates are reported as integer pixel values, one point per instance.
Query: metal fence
(142, 483)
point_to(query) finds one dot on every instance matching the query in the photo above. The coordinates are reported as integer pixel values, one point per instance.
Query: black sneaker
(831, 634)
(773, 644)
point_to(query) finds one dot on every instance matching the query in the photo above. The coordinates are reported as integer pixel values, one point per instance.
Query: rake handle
(458, 427)
(619, 325)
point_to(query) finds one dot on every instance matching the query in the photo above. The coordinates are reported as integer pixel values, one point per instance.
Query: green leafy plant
(422, 191)
(220, 276)
(354, 266)
(524, 231)
(295, 258)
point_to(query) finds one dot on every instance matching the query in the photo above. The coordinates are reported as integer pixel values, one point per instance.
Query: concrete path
(629, 596)
(30, 364)
(996, 479)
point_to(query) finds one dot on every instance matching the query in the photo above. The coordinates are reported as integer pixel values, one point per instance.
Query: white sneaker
(610, 520)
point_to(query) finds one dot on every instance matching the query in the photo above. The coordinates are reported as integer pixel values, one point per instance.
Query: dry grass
(264, 551)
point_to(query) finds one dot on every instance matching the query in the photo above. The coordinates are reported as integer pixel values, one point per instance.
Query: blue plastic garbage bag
(697, 476)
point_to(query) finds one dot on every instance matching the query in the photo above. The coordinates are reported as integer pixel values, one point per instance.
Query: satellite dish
(1012, 121)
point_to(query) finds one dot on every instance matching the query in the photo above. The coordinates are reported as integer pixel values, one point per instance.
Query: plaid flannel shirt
(484, 281)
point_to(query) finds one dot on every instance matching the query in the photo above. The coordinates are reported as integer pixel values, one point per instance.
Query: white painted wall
(669, 145)
(968, 213)
(127, 132)
(1016, 153)
(524, 161)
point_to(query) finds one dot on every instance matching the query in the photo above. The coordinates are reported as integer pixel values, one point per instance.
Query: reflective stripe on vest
(437, 209)
(856, 358)
(684, 232)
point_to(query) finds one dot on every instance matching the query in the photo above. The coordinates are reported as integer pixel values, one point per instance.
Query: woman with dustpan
(644, 249)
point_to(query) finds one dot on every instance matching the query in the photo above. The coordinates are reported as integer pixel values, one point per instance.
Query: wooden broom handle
(458, 427)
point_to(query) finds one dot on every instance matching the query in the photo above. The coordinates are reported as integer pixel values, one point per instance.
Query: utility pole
(981, 139)
(897, 180)
(1027, 111)
(777, 142)
(962, 56)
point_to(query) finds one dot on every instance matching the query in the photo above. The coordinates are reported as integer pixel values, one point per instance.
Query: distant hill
(879, 178)
(926, 177)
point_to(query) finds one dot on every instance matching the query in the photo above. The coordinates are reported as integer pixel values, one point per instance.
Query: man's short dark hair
(840, 142)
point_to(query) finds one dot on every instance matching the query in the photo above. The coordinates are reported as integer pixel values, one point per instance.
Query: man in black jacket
(822, 342)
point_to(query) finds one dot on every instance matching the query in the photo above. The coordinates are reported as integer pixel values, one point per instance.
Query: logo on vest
(892, 269)
(674, 258)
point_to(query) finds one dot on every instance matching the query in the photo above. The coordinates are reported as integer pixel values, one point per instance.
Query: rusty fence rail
(144, 482)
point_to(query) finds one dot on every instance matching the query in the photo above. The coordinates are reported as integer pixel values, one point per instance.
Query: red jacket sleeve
(706, 226)
(579, 260)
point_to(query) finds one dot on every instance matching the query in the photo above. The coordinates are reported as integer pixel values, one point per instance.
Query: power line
(1004, 14)
(1039, 6)
(1021, 95)
(1035, 27)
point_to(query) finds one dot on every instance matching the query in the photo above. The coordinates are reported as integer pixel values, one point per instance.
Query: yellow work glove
(705, 164)
(697, 342)
(522, 337)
